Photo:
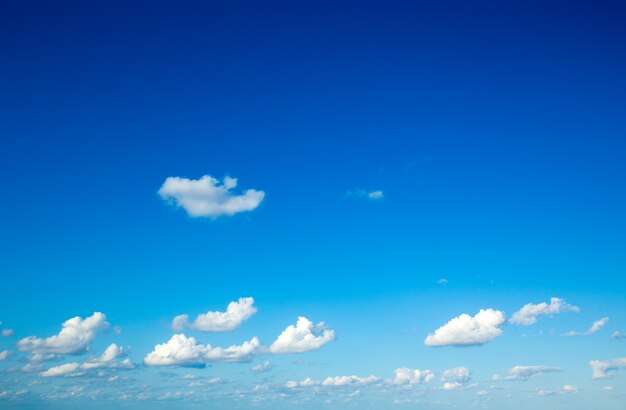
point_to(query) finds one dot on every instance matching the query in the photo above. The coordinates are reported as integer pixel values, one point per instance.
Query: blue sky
(409, 165)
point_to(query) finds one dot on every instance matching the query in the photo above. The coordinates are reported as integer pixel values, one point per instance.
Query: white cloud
(457, 374)
(4, 354)
(207, 197)
(524, 372)
(350, 381)
(266, 366)
(601, 369)
(568, 388)
(67, 369)
(235, 314)
(181, 350)
(618, 335)
(7, 332)
(375, 195)
(442, 281)
(528, 314)
(334, 381)
(597, 325)
(302, 337)
(405, 375)
(466, 330)
(75, 336)
(451, 386)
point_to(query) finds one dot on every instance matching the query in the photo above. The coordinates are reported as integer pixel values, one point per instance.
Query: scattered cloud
(466, 330)
(8, 332)
(106, 361)
(360, 193)
(442, 281)
(74, 338)
(181, 350)
(597, 325)
(266, 366)
(334, 381)
(405, 375)
(67, 369)
(528, 314)
(568, 389)
(603, 370)
(4, 354)
(235, 314)
(457, 374)
(302, 337)
(525, 372)
(207, 197)
(618, 335)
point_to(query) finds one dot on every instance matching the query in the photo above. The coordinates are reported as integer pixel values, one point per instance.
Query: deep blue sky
(495, 130)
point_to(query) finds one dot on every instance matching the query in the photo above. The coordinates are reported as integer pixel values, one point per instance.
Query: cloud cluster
(303, 337)
(207, 197)
(466, 330)
(106, 361)
(404, 375)
(231, 319)
(334, 381)
(74, 338)
(528, 314)
(603, 370)
(181, 350)
(597, 325)
(525, 372)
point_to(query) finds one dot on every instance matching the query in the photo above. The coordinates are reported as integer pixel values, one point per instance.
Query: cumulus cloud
(405, 375)
(181, 350)
(235, 314)
(603, 370)
(7, 332)
(458, 374)
(4, 354)
(528, 314)
(67, 369)
(207, 197)
(106, 361)
(618, 335)
(466, 330)
(74, 338)
(302, 337)
(597, 325)
(524, 372)
(266, 366)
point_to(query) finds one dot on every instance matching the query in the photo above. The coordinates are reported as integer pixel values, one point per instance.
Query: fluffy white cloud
(266, 366)
(466, 330)
(458, 374)
(451, 386)
(405, 375)
(235, 314)
(7, 332)
(67, 369)
(524, 372)
(208, 197)
(568, 388)
(181, 350)
(601, 370)
(106, 361)
(4, 354)
(302, 337)
(74, 337)
(597, 325)
(528, 314)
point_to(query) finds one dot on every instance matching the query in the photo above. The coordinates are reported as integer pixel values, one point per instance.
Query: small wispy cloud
(529, 313)
(360, 193)
(597, 325)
